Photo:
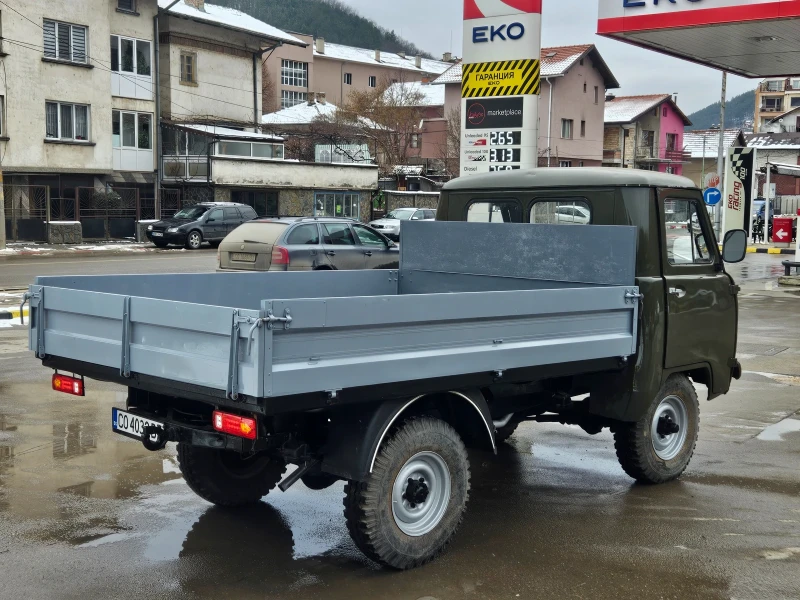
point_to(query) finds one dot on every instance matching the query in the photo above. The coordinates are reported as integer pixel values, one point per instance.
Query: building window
(373, 81)
(581, 62)
(583, 128)
(66, 121)
(130, 56)
(664, 111)
(250, 149)
(66, 42)
(289, 98)
(416, 141)
(596, 94)
(126, 5)
(775, 85)
(132, 130)
(772, 104)
(584, 87)
(566, 129)
(294, 73)
(580, 164)
(189, 68)
(672, 142)
(348, 79)
(795, 101)
(337, 204)
(565, 163)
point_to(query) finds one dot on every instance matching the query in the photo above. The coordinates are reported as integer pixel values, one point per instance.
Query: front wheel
(226, 478)
(659, 446)
(412, 503)
(193, 240)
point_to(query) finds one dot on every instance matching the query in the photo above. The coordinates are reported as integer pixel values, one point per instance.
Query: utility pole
(721, 153)
(2, 213)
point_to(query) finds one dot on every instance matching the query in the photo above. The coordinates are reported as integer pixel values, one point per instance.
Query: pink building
(645, 132)
(571, 104)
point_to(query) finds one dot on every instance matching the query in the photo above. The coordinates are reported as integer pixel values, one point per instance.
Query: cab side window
(687, 243)
(566, 211)
(499, 211)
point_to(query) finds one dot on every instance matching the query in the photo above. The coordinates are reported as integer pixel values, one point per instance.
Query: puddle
(775, 433)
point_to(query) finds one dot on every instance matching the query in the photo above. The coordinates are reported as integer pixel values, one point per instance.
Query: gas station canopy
(753, 38)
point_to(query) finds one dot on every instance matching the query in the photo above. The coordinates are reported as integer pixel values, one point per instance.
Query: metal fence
(26, 212)
(108, 213)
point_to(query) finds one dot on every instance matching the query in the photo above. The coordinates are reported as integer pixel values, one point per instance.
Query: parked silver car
(390, 224)
(306, 244)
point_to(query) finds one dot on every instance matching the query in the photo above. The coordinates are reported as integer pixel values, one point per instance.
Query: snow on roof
(226, 133)
(705, 142)
(555, 62)
(230, 18)
(403, 93)
(305, 114)
(624, 109)
(389, 59)
(774, 141)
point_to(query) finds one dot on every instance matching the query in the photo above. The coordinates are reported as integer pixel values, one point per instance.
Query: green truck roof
(564, 177)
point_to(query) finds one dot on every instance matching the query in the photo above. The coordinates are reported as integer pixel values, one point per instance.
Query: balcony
(185, 168)
(774, 108)
(612, 155)
(654, 154)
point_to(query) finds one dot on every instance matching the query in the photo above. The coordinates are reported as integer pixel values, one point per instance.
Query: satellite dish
(780, 120)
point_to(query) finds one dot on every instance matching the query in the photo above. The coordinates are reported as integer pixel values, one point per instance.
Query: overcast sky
(432, 23)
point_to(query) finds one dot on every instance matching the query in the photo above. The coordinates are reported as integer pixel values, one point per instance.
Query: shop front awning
(752, 38)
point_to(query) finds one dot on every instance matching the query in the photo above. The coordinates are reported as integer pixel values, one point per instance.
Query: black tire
(160, 244)
(506, 431)
(194, 239)
(634, 442)
(225, 478)
(368, 504)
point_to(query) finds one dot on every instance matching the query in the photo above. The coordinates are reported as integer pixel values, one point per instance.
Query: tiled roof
(705, 142)
(556, 61)
(389, 59)
(774, 141)
(230, 18)
(431, 95)
(624, 109)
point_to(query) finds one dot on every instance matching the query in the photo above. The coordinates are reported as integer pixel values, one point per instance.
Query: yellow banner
(501, 78)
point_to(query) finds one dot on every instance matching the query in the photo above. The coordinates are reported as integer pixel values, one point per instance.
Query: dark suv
(204, 222)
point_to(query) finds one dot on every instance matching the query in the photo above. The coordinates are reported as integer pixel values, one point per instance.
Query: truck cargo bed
(523, 296)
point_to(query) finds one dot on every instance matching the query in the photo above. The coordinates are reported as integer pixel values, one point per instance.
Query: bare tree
(269, 93)
(451, 151)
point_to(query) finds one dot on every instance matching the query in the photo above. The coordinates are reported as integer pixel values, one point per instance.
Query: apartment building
(77, 105)
(774, 96)
(336, 70)
(645, 132)
(571, 104)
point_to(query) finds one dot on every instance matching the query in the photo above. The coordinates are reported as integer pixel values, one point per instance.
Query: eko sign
(500, 85)
(726, 34)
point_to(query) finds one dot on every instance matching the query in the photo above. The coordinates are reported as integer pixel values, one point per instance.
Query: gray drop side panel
(441, 257)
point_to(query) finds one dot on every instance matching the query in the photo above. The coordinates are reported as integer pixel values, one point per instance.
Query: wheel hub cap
(669, 427)
(421, 494)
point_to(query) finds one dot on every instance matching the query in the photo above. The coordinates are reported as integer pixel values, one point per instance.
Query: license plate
(157, 234)
(130, 424)
(243, 257)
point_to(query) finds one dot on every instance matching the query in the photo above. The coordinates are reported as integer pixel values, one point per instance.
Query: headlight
(149, 228)
(172, 230)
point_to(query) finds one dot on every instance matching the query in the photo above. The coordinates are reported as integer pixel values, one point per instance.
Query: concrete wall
(290, 174)
(411, 200)
(225, 79)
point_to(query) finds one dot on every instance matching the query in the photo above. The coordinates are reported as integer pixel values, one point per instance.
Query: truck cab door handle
(368, 253)
(679, 292)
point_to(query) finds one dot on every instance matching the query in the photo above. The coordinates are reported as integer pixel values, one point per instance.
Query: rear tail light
(280, 255)
(68, 385)
(235, 425)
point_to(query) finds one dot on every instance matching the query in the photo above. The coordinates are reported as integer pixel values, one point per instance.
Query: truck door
(701, 299)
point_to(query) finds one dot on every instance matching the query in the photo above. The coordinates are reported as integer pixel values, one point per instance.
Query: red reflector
(235, 425)
(280, 255)
(68, 385)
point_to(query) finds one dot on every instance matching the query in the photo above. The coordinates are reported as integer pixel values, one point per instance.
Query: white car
(576, 215)
(390, 224)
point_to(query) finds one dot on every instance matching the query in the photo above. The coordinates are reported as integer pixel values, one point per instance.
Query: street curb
(754, 250)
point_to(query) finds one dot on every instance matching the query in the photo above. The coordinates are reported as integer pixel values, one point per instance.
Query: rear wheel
(226, 478)
(659, 446)
(408, 509)
(194, 240)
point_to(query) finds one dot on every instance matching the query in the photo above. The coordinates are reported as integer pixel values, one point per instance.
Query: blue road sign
(712, 196)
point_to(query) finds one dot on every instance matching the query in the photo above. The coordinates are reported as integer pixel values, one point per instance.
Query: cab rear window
(494, 211)
(257, 232)
(566, 211)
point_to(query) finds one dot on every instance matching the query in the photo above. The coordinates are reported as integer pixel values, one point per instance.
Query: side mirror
(734, 246)
(415, 218)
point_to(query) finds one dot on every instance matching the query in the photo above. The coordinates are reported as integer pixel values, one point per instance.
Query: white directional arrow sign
(780, 234)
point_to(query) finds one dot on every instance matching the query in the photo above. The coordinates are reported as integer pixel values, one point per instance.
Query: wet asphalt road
(87, 514)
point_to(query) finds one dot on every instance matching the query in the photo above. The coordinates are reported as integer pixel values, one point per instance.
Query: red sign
(782, 230)
(481, 9)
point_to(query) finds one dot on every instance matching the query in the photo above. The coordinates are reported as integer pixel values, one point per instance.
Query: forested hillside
(738, 113)
(330, 19)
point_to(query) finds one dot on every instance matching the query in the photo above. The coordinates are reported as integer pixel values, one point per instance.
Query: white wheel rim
(668, 446)
(194, 240)
(421, 494)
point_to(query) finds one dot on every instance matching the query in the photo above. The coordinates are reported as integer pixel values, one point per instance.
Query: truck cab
(689, 311)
